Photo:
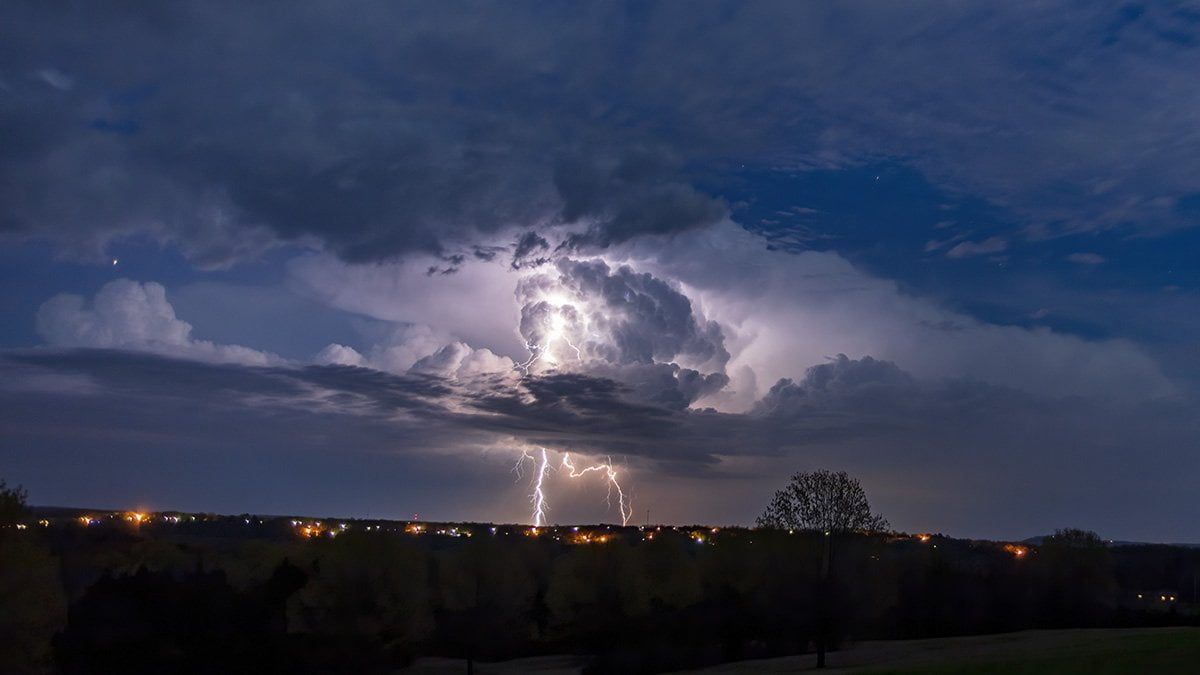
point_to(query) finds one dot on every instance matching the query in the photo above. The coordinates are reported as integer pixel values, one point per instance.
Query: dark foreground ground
(1101, 651)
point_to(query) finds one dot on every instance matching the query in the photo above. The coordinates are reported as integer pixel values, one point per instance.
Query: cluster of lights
(316, 529)
(134, 517)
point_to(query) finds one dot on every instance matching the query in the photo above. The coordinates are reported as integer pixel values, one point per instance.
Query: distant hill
(1040, 539)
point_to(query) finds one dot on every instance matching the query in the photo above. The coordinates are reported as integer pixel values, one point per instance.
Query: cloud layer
(965, 456)
(226, 129)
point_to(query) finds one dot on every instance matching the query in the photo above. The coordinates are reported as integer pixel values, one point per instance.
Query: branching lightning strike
(538, 497)
(607, 467)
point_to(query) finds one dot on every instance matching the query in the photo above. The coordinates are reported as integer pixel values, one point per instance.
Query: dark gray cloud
(965, 456)
(584, 411)
(227, 128)
(635, 195)
(528, 246)
(842, 383)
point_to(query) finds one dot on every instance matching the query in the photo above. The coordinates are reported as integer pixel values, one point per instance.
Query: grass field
(1127, 651)
(1143, 651)
(1101, 651)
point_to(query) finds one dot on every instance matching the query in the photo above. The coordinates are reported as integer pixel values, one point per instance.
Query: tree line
(141, 600)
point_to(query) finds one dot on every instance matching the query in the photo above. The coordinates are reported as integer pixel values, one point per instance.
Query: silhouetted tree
(487, 597)
(13, 508)
(33, 605)
(154, 622)
(369, 590)
(1079, 585)
(830, 503)
(823, 501)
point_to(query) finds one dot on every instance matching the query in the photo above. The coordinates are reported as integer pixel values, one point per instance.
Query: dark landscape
(103, 591)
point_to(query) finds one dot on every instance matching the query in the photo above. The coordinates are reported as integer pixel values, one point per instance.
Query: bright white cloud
(476, 305)
(783, 312)
(126, 314)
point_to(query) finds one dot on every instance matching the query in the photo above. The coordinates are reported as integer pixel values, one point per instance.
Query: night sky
(357, 260)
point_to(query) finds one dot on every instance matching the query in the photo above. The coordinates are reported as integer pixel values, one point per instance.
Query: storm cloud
(390, 248)
(865, 415)
(226, 129)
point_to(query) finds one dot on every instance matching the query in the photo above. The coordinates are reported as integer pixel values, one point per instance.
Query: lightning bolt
(538, 498)
(542, 463)
(534, 353)
(623, 506)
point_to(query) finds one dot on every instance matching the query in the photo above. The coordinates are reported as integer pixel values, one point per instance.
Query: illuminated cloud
(580, 311)
(130, 315)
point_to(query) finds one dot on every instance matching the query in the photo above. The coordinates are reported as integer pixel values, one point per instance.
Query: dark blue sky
(367, 259)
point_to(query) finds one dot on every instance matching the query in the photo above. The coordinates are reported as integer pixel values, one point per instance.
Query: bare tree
(830, 503)
(824, 501)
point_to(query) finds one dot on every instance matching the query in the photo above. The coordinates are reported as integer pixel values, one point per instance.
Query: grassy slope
(1161, 651)
(1128, 650)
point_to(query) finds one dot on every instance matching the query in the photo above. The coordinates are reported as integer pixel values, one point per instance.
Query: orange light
(1018, 551)
(923, 537)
